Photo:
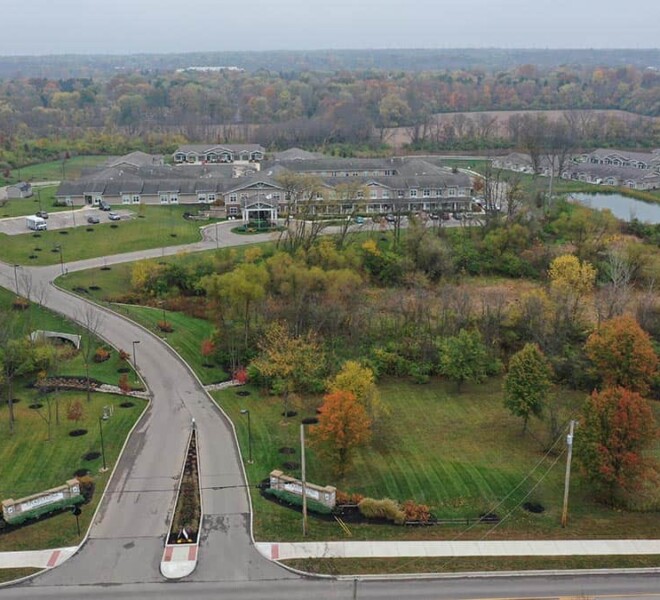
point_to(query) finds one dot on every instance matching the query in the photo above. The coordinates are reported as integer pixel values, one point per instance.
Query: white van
(36, 223)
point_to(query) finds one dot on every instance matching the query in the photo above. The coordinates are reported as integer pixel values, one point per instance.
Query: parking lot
(63, 220)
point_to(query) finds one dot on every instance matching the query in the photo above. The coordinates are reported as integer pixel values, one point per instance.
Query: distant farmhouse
(239, 180)
(634, 170)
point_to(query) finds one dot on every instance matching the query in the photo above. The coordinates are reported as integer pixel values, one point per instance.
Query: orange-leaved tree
(343, 425)
(616, 428)
(623, 354)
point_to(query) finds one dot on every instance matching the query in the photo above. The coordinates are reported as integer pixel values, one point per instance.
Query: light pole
(16, 268)
(135, 343)
(245, 411)
(60, 250)
(567, 478)
(105, 468)
(217, 241)
(304, 481)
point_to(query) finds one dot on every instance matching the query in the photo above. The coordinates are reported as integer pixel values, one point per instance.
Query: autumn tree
(623, 354)
(75, 411)
(343, 425)
(527, 383)
(16, 359)
(359, 381)
(570, 281)
(464, 357)
(124, 384)
(616, 428)
(292, 364)
(207, 348)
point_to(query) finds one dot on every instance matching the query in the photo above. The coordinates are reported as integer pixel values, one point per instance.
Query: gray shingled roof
(202, 148)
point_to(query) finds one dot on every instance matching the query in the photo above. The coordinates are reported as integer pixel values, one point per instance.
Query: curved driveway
(126, 538)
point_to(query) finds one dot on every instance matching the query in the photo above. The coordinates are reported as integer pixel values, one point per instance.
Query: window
(400, 193)
(201, 197)
(319, 195)
(164, 198)
(360, 194)
(174, 198)
(373, 193)
(452, 191)
(136, 198)
(426, 193)
(233, 198)
(233, 210)
(98, 200)
(413, 193)
(276, 197)
(210, 198)
(125, 199)
(386, 193)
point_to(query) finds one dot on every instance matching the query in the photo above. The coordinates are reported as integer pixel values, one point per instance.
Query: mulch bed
(289, 413)
(291, 466)
(35, 406)
(77, 432)
(106, 268)
(91, 456)
(123, 370)
(534, 507)
(310, 421)
(96, 288)
(287, 450)
(66, 383)
(126, 404)
(243, 393)
(81, 473)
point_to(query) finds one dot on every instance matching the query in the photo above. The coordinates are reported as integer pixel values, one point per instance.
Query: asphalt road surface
(121, 557)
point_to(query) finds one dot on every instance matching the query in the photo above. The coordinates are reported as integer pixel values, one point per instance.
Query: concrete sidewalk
(286, 551)
(39, 559)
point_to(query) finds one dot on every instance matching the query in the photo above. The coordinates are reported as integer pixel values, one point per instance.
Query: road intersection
(126, 537)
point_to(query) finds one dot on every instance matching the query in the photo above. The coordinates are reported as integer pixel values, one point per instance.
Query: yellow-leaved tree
(359, 381)
(570, 281)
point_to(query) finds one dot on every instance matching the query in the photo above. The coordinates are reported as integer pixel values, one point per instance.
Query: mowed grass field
(462, 454)
(55, 170)
(152, 227)
(30, 462)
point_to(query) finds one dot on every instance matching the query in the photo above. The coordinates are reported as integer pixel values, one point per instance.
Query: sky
(36, 27)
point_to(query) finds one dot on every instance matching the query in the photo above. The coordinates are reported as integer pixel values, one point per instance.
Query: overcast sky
(131, 26)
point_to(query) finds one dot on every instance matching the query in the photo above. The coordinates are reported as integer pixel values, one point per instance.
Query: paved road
(121, 558)
(63, 219)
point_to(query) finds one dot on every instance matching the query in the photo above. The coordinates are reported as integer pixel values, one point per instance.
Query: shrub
(295, 500)
(101, 355)
(124, 384)
(348, 498)
(87, 486)
(241, 375)
(165, 326)
(123, 355)
(416, 512)
(382, 509)
(20, 304)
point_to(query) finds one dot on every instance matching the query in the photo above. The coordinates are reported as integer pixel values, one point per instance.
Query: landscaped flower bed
(187, 518)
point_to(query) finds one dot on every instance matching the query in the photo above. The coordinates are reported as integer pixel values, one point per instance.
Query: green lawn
(19, 207)
(153, 227)
(185, 339)
(30, 463)
(37, 317)
(56, 170)
(461, 454)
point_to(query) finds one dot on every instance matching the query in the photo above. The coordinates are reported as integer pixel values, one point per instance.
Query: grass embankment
(13, 574)
(186, 337)
(29, 461)
(153, 227)
(460, 453)
(359, 566)
(56, 170)
(43, 199)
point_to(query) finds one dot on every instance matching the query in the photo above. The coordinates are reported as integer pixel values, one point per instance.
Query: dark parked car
(93, 220)
(42, 213)
(103, 205)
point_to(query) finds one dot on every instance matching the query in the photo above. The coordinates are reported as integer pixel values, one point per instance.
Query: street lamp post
(303, 477)
(245, 411)
(60, 249)
(16, 267)
(105, 467)
(135, 343)
(217, 241)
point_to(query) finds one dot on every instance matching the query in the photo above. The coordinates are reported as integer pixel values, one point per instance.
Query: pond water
(622, 207)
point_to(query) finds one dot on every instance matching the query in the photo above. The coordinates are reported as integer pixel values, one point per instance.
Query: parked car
(103, 205)
(113, 216)
(93, 220)
(434, 216)
(41, 213)
(390, 218)
(359, 220)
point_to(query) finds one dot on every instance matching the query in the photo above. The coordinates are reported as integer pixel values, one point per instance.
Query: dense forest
(350, 110)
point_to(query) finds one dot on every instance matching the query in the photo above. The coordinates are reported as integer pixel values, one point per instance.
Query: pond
(622, 207)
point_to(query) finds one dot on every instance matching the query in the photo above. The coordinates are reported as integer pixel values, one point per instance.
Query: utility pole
(304, 483)
(569, 456)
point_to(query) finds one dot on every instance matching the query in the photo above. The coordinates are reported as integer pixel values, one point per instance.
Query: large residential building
(634, 170)
(197, 154)
(341, 186)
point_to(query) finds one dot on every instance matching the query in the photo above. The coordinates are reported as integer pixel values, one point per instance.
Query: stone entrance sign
(326, 495)
(31, 507)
